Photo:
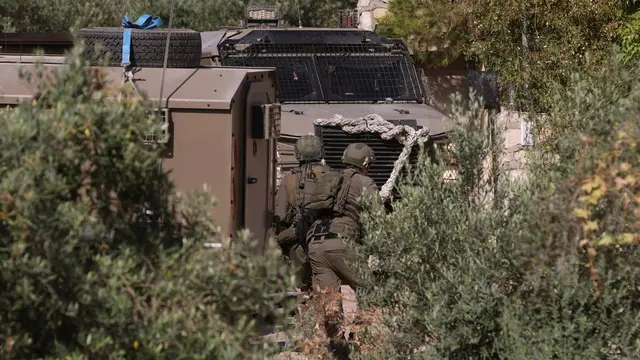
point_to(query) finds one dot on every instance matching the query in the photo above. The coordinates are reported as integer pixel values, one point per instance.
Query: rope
(374, 123)
(127, 75)
(145, 22)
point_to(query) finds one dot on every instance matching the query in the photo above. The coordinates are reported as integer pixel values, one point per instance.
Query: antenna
(299, 16)
(166, 55)
(4, 28)
(21, 23)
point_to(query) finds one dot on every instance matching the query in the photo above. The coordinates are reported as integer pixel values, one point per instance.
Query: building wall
(443, 82)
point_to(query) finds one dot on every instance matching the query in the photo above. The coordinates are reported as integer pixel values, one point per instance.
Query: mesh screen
(323, 72)
(153, 137)
(295, 75)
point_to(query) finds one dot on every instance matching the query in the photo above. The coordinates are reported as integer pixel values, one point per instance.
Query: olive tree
(550, 270)
(84, 274)
(531, 44)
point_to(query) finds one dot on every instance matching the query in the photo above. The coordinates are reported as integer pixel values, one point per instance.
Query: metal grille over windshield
(328, 66)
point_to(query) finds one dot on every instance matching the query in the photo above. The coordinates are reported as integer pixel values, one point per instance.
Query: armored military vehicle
(322, 72)
(222, 124)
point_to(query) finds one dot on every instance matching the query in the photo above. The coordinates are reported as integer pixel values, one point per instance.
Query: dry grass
(328, 335)
(368, 331)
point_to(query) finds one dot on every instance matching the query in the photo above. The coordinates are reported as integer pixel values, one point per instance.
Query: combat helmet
(358, 154)
(308, 148)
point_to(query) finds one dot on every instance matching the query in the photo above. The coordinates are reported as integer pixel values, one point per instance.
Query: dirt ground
(324, 332)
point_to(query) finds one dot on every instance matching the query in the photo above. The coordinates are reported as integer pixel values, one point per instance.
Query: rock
(380, 13)
(370, 10)
(366, 21)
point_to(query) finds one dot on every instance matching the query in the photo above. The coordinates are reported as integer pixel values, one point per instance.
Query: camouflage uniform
(327, 250)
(308, 151)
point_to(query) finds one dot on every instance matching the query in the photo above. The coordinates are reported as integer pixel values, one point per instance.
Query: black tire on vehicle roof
(147, 46)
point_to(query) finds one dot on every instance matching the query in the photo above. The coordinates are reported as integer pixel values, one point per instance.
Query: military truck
(222, 126)
(322, 72)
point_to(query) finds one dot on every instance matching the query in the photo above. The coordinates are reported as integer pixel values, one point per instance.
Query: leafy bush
(630, 37)
(548, 268)
(531, 45)
(82, 273)
(209, 15)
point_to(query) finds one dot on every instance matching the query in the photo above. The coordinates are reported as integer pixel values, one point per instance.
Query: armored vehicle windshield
(321, 65)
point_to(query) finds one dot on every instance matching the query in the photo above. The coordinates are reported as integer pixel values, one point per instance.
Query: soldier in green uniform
(295, 189)
(327, 250)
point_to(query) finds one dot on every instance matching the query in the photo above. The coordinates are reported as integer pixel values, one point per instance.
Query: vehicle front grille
(386, 151)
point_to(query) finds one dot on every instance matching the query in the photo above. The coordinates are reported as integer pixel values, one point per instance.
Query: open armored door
(262, 131)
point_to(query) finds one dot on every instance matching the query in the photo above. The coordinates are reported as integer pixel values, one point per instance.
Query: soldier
(295, 187)
(327, 251)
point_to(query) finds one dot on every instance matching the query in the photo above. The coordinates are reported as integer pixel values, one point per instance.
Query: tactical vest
(323, 196)
(300, 185)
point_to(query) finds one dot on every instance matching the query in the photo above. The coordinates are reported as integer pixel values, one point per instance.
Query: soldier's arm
(370, 188)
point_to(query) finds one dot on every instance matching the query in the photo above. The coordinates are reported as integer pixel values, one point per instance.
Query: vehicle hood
(297, 119)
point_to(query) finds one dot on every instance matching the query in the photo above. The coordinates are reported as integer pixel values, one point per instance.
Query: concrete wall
(439, 85)
(371, 10)
(514, 125)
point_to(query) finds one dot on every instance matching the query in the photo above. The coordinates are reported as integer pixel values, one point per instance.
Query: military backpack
(322, 194)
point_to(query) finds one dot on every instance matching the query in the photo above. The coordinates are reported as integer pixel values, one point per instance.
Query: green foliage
(531, 44)
(462, 277)
(604, 98)
(630, 38)
(82, 273)
(435, 30)
(311, 13)
(57, 15)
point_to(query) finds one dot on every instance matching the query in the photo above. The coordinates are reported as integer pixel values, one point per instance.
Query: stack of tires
(147, 46)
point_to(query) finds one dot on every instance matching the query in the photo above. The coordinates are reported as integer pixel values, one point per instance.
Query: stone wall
(371, 10)
(516, 140)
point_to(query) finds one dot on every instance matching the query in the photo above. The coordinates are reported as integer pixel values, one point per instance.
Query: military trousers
(300, 260)
(327, 255)
(297, 257)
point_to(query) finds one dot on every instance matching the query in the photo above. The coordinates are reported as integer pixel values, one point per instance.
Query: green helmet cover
(308, 148)
(358, 154)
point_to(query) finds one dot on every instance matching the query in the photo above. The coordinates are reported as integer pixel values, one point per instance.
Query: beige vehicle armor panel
(211, 141)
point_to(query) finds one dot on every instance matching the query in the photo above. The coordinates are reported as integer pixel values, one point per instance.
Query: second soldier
(295, 190)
